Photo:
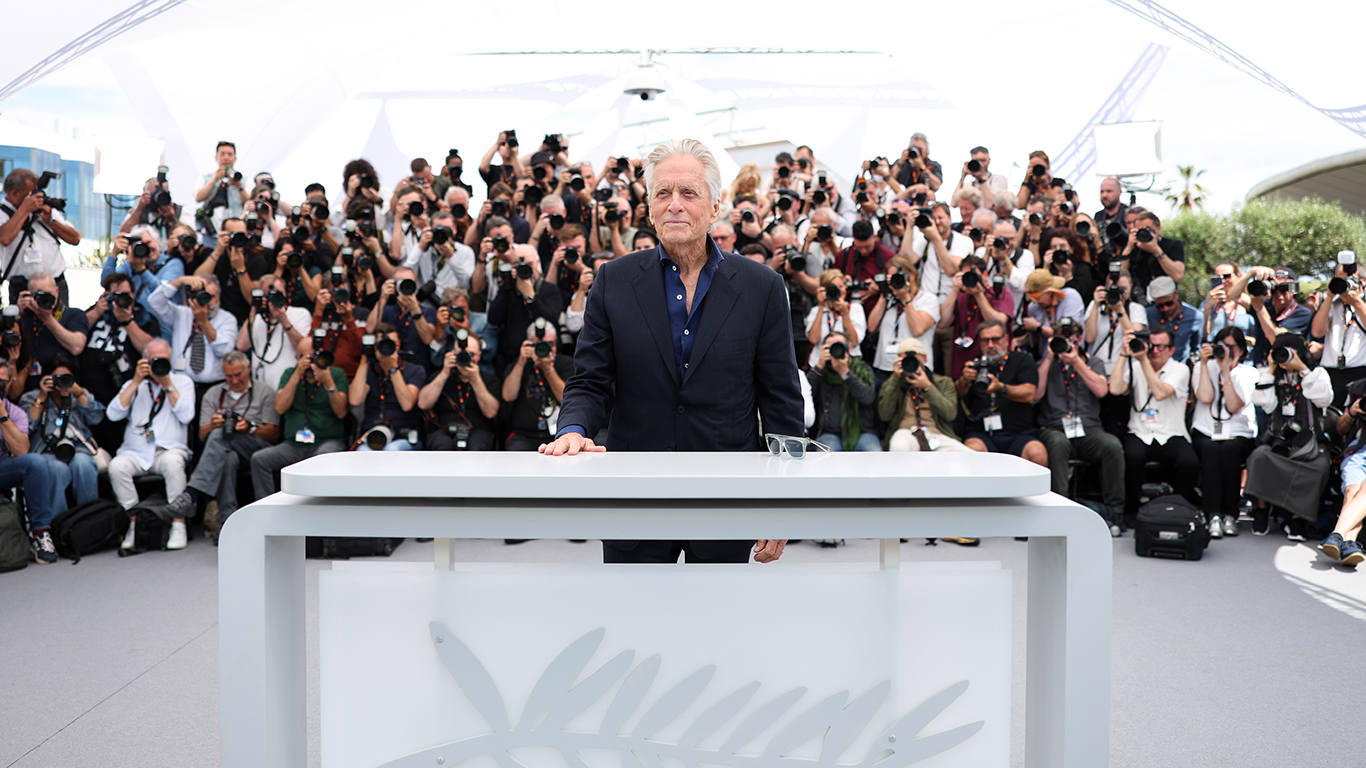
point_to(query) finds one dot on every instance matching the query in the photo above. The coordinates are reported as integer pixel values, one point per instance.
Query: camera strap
(27, 237)
(1132, 384)
(157, 404)
(1349, 319)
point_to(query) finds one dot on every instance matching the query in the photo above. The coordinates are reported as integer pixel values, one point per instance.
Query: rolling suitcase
(1168, 526)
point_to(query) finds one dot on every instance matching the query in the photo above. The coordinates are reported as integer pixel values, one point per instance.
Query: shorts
(1353, 470)
(1004, 442)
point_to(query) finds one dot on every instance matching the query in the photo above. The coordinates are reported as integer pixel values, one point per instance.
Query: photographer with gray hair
(31, 235)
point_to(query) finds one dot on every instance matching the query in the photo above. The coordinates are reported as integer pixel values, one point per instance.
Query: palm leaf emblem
(556, 700)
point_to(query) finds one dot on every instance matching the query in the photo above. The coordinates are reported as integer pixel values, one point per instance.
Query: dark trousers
(1097, 446)
(1222, 480)
(1341, 377)
(667, 552)
(527, 441)
(1179, 464)
(267, 462)
(1114, 414)
(479, 440)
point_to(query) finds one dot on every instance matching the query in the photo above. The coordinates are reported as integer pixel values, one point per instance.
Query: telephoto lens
(202, 298)
(1258, 288)
(1114, 295)
(1059, 345)
(798, 261)
(541, 350)
(974, 166)
(922, 221)
(322, 358)
(1281, 355)
(1114, 230)
(501, 244)
(839, 350)
(294, 260)
(747, 216)
(161, 366)
(341, 295)
(407, 286)
(1337, 286)
(458, 314)
(1035, 220)
(971, 280)
(556, 220)
(1084, 229)
(910, 364)
(464, 359)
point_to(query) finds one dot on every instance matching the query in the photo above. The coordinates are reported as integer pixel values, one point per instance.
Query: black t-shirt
(381, 404)
(1016, 368)
(1144, 267)
(409, 340)
(534, 397)
(42, 341)
(1297, 321)
(459, 405)
(497, 173)
(110, 355)
(230, 294)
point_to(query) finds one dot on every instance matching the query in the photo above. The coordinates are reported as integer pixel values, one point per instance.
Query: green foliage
(1304, 235)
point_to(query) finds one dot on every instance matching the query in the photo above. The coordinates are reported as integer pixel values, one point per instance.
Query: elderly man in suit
(685, 346)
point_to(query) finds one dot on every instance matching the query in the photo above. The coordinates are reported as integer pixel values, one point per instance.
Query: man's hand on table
(768, 550)
(571, 443)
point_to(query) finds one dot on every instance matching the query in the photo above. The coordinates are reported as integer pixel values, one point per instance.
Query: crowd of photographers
(928, 313)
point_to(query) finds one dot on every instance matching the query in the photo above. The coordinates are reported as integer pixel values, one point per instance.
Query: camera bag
(14, 548)
(151, 525)
(1168, 526)
(347, 547)
(90, 527)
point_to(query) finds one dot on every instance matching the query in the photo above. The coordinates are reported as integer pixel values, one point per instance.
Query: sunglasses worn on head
(794, 446)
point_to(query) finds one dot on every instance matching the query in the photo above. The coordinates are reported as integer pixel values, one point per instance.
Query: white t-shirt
(1345, 338)
(40, 253)
(832, 323)
(272, 351)
(1016, 281)
(894, 328)
(1151, 419)
(932, 275)
(1106, 346)
(1240, 423)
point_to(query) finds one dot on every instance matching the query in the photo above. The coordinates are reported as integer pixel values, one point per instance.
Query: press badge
(31, 256)
(304, 436)
(150, 435)
(1072, 427)
(1219, 432)
(1288, 409)
(992, 423)
(1150, 416)
(180, 363)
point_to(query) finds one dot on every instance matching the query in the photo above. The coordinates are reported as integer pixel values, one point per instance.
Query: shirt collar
(714, 255)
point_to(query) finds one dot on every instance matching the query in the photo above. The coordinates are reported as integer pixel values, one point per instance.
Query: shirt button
(685, 331)
(675, 268)
(681, 408)
(680, 297)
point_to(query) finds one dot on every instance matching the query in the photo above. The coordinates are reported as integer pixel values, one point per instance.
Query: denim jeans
(393, 445)
(866, 442)
(32, 471)
(81, 475)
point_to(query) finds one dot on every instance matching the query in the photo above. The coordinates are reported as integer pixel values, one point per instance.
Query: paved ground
(1241, 659)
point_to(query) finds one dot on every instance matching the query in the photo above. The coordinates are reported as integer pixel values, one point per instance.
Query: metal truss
(1079, 156)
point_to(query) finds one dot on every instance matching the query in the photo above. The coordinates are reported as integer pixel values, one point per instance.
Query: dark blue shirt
(1185, 329)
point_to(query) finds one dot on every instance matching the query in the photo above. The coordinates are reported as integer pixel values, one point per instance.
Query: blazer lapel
(718, 302)
(650, 296)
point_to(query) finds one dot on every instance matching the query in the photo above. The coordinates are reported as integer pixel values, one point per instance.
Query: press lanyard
(155, 409)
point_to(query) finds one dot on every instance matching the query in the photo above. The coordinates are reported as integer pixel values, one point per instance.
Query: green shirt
(311, 409)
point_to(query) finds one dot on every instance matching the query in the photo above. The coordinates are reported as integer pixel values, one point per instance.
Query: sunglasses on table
(794, 446)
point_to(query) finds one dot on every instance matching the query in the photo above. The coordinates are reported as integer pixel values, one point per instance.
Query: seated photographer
(31, 232)
(1343, 543)
(833, 313)
(340, 334)
(33, 472)
(1167, 311)
(970, 302)
(60, 414)
(119, 329)
(843, 392)
(272, 331)
(454, 315)
(1341, 323)
(533, 385)
(1148, 255)
(918, 404)
(444, 261)
(1157, 420)
(387, 386)
(201, 333)
(520, 301)
(1272, 303)
(1109, 316)
(1290, 469)
(237, 418)
(1070, 389)
(399, 308)
(461, 400)
(902, 311)
(1224, 429)
(236, 261)
(51, 326)
(997, 391)
(143, 263)
(312, 404)
(154, 442)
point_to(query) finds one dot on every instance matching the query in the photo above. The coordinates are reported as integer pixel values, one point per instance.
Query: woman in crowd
(1219, 311)
(60, 412)
(1224, 430)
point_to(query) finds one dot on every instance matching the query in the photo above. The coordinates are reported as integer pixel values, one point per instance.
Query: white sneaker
(178, 539)
(128, 539)
(1216, 531)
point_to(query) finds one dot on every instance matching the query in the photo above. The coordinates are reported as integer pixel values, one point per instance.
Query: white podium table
(884, 496)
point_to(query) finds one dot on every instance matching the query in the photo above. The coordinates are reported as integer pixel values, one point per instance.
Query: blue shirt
(166, 270)
(1185, 328)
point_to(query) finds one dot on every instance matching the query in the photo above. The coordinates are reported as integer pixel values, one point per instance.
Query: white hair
(136, 231)
(685, 147)
(155, 344)
(985, 213)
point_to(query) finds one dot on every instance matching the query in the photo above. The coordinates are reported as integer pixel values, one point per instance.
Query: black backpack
(14, 546)
(151, 525)
(1168, 526)
(87, 528)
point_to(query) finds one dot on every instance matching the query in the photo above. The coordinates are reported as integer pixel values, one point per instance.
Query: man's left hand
(768, 550)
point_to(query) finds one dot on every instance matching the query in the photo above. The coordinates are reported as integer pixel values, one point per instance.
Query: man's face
(982, 158)
(1282, 293)
(504, 231)
(226, 156)
(22, 193)
(43, 284)
(411, 197)
(806, 153)
(120, 286)
(1160, 349)
(966, 209)
(236, 376)
(1129, 221)
(865, 247)
(992, 340)
(425, 174)
(1109, 193)
(680, 203)
(725, 238)
(458, 196)
(235, 226)
(1045, 299)
(212, 290)
(923, 147)
(1169, 306)
(942, 220)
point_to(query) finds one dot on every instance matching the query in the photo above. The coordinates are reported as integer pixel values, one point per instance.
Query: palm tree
(1192, 195)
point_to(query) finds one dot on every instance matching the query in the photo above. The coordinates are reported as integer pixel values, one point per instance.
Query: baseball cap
(910, 345)
(1041, 280)
(1285, 273)
(542, 158)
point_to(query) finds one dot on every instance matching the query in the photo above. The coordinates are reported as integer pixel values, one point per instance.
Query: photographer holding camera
(978, 176)
(155, 209)
(933, 230)
(399, 308)
(1112, 210)
(1341, 323)
(1167, 311)
(1109, 316)
(1071, 386)
(1004, 257)
(60, 415)
(119, 328)
(972, 300)
(387, 385)
(272, 332)
(236, 261)
(31, 236)
(1157, 420)
(1291, 467)
(1049, 302)
(568, 261)
(201, 332)
(360, 185)
(534, 386)
(834, 313)
(1343, 543)
(142, 263)
(997, 392)
(449, 178)
(223, 194)
(410, 222)
(1224, 428)
(915, 171)
(461, 401)
(864, 259)
(312, 404)
(444, 261)
(902, 311)
(843, 392)
(1148, 255)
(517, 305)
(505, 147)
(237, 418)
(50, 325)
(297, 282)
(18, 467)
(916, 394)
(155, 440)
(1272, 303)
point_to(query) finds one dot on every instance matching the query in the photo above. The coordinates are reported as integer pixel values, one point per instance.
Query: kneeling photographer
(387, 386)
(237, 418)
(460, 400)
(312, 403)
(842, 389)
(918, 404)
(1341, 323)
(1291, 467)
(60, 414)
(997, 391)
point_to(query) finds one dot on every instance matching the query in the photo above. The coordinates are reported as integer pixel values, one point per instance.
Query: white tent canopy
(302, 87)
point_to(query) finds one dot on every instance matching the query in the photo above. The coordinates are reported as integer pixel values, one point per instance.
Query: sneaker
(181, 506)
(178, 538)
(1261, 521)
(128, 538)
(1230, 525)
(1216, 528)
(1294, 529)
(828, 543)
(212, 522)
(961, 541)
(44, 551)
(1352, 553)
(1332, 546)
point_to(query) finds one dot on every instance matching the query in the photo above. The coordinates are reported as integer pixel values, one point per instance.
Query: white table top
(665, 476)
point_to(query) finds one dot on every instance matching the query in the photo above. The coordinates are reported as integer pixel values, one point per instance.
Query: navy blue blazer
(742, 365)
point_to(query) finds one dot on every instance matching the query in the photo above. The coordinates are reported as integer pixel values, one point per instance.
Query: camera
(63, 381)
(1139, 342)
(141, 250)
(611, 215)
(1337, 286)
(55, 203)
(825, 232)
(501, 244)
(416, 208)
(341, 295)
(364, 263)
(232, 174)
(230, 422)
(1144, 235)
(202, 298)
(1037, 170)
(378, 437)
(832, 293)
(1115, 231)
(1060, 345)
(1084, 229)
(523, 271)
(971, 280)
(407, 286)
(505, 276)
(188, 244)
(161, 366)
(796, 259)
(922, 219)
(121, 299)
(784, 172)
(1258, 288)
(976, 234)
(382, 346)
(321, 357)
(910, 365)
(556, 221)
(1065, 207)
(1062, 256)
(576, 179)
(898, 282)
(974, 166)
(44, 300)
(441, 235)
(747, 216)
(839, 350)
(915, 152)
(1219, 351)
(571, 255)
(510, 137)
(894, 219)
(1001, 244)
(1281, 355)
(294, 260)
(1114, 294)
(985, 367)
(784, 203)
(818, 198)
(541, 349)
(533, 195)
(1036, 219)
(238, 240)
